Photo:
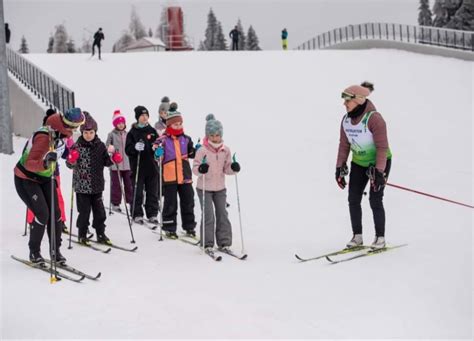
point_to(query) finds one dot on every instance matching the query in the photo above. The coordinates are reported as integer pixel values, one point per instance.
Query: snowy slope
(281, 114)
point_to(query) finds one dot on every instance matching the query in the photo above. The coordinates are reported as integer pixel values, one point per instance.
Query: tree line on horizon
(215, 39)
(454, 14)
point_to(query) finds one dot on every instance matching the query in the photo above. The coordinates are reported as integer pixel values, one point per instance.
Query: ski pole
(160, 189)
(203, 223)
(52, 217)
(110, 193)
(26, 221)
(71, 213)
(122, 189)
(428, 195)
(136, 183)
(238, 208)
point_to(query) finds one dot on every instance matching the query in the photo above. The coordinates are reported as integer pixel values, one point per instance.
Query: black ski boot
(84, 241)
(60, 258)
(171, 235)
(191, 233)
(36, 258)
(103, 239)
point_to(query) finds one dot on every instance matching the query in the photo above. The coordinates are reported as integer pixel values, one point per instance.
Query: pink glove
(73, 156)
(69, 142)
(117, 157)
(111, 149)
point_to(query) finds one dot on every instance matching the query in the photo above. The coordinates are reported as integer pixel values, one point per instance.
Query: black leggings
(357, 182)
(37, 198)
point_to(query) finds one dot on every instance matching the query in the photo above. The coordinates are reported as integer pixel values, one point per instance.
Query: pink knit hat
(358, 93)
(118, 118)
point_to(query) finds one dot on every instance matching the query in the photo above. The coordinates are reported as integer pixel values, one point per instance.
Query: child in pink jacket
(213, 161)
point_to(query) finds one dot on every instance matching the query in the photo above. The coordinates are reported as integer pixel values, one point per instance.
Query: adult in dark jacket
(98, 37)
(235, 35)
(145, 174)
(7, 33)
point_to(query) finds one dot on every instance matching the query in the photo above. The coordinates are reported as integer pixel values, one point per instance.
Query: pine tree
(71, 47)
(121, 44)
(444, 11)
(252, 40)
(463, 19)
(242, 39)
(221, 44)
(424, 16)
(136, 27)
(150, 32)
(50, 45)
(24, 46)
(60, 40)
(162, 29)
(214, 37)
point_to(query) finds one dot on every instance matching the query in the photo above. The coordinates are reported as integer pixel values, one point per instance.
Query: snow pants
(216, 216)
(116, 192)
(85, 204)
(170, 207)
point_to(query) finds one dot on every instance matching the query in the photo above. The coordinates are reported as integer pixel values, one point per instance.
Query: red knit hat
(118, 118)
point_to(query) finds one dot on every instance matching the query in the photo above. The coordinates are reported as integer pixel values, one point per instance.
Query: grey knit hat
(164, 106)
(213, 126)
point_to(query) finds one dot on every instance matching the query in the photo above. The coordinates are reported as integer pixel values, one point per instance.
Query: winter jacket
(376, 125)
(148, 135)
(98, 37)
(31, 164)
(88, 176)
(234, 34)
(118, 138)
(160, 126)
(284, 35)
(219, 161)
(177, 152)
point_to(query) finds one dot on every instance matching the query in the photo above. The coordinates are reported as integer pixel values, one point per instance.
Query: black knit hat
(140, 110)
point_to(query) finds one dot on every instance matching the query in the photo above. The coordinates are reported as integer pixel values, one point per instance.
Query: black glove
(235, 167)
(378, 181)
(48, 158)
(203, 168)
(341, 172)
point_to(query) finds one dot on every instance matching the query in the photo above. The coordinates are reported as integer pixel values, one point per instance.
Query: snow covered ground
(281, 113)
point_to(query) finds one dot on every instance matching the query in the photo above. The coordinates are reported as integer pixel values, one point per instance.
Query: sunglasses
(347, 97)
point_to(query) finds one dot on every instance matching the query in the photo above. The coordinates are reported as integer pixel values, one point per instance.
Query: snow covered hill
(281, 113)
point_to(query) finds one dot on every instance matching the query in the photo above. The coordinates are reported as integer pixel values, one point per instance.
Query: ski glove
(49, 158)
(117, 157)
(235, 166)
(341, 172)
(203, 168)
(159, 152)
(73, 156)
(139, 146)
(378, 180)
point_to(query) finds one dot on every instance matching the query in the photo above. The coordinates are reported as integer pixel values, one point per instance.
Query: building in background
(146, 44)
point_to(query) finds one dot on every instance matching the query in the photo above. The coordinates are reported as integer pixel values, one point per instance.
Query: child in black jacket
(88, 157)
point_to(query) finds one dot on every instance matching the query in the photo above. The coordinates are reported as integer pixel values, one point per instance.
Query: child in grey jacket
(119, 172)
